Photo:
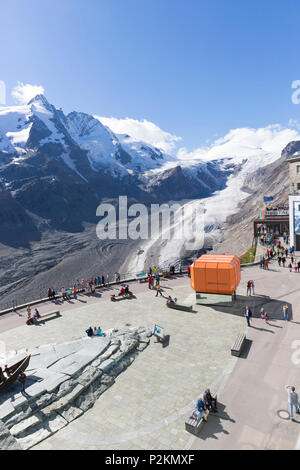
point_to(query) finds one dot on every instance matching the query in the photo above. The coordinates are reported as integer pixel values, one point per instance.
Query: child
(266, 317)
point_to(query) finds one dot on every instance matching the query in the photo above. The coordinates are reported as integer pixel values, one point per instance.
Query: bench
(49, 314)
(176, 306)
(191, 424)
(237, 346)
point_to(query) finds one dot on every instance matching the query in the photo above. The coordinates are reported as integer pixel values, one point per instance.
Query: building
(294, 199)
(273, 220)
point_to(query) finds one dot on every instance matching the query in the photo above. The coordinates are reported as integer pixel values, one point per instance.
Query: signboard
(159, 332)
(297, 218)
(277, 212)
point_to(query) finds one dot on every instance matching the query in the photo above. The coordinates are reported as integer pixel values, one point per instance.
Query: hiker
(285, 309)
(293, 400)
(211, 402)
(248, 314)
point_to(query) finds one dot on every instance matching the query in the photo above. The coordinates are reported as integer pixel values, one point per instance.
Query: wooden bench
(49, 314)
(237, 346)
(192, 426)
(176, 306)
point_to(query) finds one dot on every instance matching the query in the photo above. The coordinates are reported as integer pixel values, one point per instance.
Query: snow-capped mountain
(60, 167)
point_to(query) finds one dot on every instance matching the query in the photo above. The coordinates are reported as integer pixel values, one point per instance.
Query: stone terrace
(147, 406)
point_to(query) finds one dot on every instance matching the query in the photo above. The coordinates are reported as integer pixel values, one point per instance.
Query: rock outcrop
(64, 381)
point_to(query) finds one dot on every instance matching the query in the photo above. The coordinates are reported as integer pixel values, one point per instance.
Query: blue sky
(196, 68)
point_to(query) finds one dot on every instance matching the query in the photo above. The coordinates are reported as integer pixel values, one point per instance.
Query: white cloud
(263, 144)
(23, 93)
(144, 131)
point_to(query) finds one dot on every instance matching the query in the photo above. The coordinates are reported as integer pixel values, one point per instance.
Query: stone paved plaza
(147, 406)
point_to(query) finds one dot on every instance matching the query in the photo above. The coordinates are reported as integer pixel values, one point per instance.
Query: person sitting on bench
(170, 300)
(36, 315)
(200, 412)
(211, 402)
(122, 291)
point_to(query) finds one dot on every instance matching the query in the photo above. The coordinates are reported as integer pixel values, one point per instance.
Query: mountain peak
(42, 100)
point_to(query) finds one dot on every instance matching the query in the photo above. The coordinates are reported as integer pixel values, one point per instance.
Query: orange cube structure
(216, 274)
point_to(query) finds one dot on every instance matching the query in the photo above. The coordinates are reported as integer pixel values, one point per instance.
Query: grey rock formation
(66, 380)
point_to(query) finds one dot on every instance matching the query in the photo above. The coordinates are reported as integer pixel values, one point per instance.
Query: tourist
(290, 266)
(170, 300)
(89, 331)
(283, 261)
(103, 281)
(95, 331)
(158, 290)
(99, 331)
(188, 271)
(149, 282)
(266, 318)
(210, 401)
(279, 260)
(298, 266)
(75, 291)
(49, 293)
(53, 293)
(293, 400)
(285, 309)
(7, 371)
(36, 314)
(64, 295)
(22, 380)
(78, 286)
(253, 287)
(249, 288)
(262, 313)
(248, 315)
(266, 264)
(2, 376)
(28, 311)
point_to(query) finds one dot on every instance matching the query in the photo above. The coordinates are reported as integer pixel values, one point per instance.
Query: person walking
(285, 309)
(158, 290)
(149, 282)
(248, 315)
(249, 288)
(293, 400)
(22, 380)
(253, 287)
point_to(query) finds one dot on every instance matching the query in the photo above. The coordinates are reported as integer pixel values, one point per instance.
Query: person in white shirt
(293, 400)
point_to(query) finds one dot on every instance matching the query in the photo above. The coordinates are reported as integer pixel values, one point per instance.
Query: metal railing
(19, 301)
